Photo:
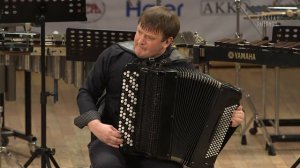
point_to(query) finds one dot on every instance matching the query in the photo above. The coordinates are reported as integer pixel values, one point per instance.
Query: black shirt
(106, 75)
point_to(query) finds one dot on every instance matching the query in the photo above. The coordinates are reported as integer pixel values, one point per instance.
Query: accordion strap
(170, 56)
(127, 46)
(175, 56)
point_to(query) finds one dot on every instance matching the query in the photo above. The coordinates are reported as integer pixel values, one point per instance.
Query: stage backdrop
(211, 19)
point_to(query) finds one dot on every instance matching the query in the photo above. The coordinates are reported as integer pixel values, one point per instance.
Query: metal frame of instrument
(281, 34)
(271, 54)
(277, 53)
(41, 12)
(257, 121)
(246, 94)
(8, 79)
(278, 35)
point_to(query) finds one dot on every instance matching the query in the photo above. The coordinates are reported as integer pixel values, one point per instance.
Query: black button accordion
(175, 114)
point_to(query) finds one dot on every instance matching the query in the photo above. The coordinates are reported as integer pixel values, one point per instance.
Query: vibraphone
(282, 51)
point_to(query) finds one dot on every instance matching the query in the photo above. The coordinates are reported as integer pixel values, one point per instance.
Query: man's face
(149, 44)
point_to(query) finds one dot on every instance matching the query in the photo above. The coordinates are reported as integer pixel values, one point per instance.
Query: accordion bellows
(175, 114)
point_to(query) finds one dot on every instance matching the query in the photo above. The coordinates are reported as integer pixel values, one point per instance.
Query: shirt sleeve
(83, 119)
(92, 89)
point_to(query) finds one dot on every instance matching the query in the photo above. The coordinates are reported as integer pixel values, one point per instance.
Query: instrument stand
(40, 13)
(6, 72)
(238, 65)
(3, 149)
(278, 35)
(257, 121)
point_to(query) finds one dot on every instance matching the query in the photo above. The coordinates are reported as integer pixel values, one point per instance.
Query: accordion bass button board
(175, 114)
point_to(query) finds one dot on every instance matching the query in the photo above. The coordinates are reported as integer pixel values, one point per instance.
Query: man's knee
(103, 156)
(108, 162)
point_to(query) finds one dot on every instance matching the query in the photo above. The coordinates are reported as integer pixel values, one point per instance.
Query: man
(157, 27)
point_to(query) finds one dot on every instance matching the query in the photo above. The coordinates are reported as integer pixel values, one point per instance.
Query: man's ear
(168, 41)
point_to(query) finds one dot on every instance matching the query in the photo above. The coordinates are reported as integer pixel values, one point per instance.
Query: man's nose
(141, 40)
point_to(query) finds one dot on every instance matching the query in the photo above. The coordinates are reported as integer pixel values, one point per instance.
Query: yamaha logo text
(241, 56)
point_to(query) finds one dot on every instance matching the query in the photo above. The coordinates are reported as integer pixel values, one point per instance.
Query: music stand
(40, 12)
(87, 44)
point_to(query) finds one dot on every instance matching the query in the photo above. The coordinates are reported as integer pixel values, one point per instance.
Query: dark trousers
(104, 156)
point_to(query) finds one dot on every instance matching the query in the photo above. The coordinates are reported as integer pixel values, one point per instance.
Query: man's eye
(149, 38)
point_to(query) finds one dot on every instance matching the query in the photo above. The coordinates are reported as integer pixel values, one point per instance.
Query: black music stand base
(47, 156)
(296, 163)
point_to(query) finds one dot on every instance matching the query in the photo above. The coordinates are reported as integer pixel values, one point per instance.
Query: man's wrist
(86, 117)
(93, 123)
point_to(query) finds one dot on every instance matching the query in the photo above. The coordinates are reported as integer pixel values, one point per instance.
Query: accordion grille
(219, 136)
